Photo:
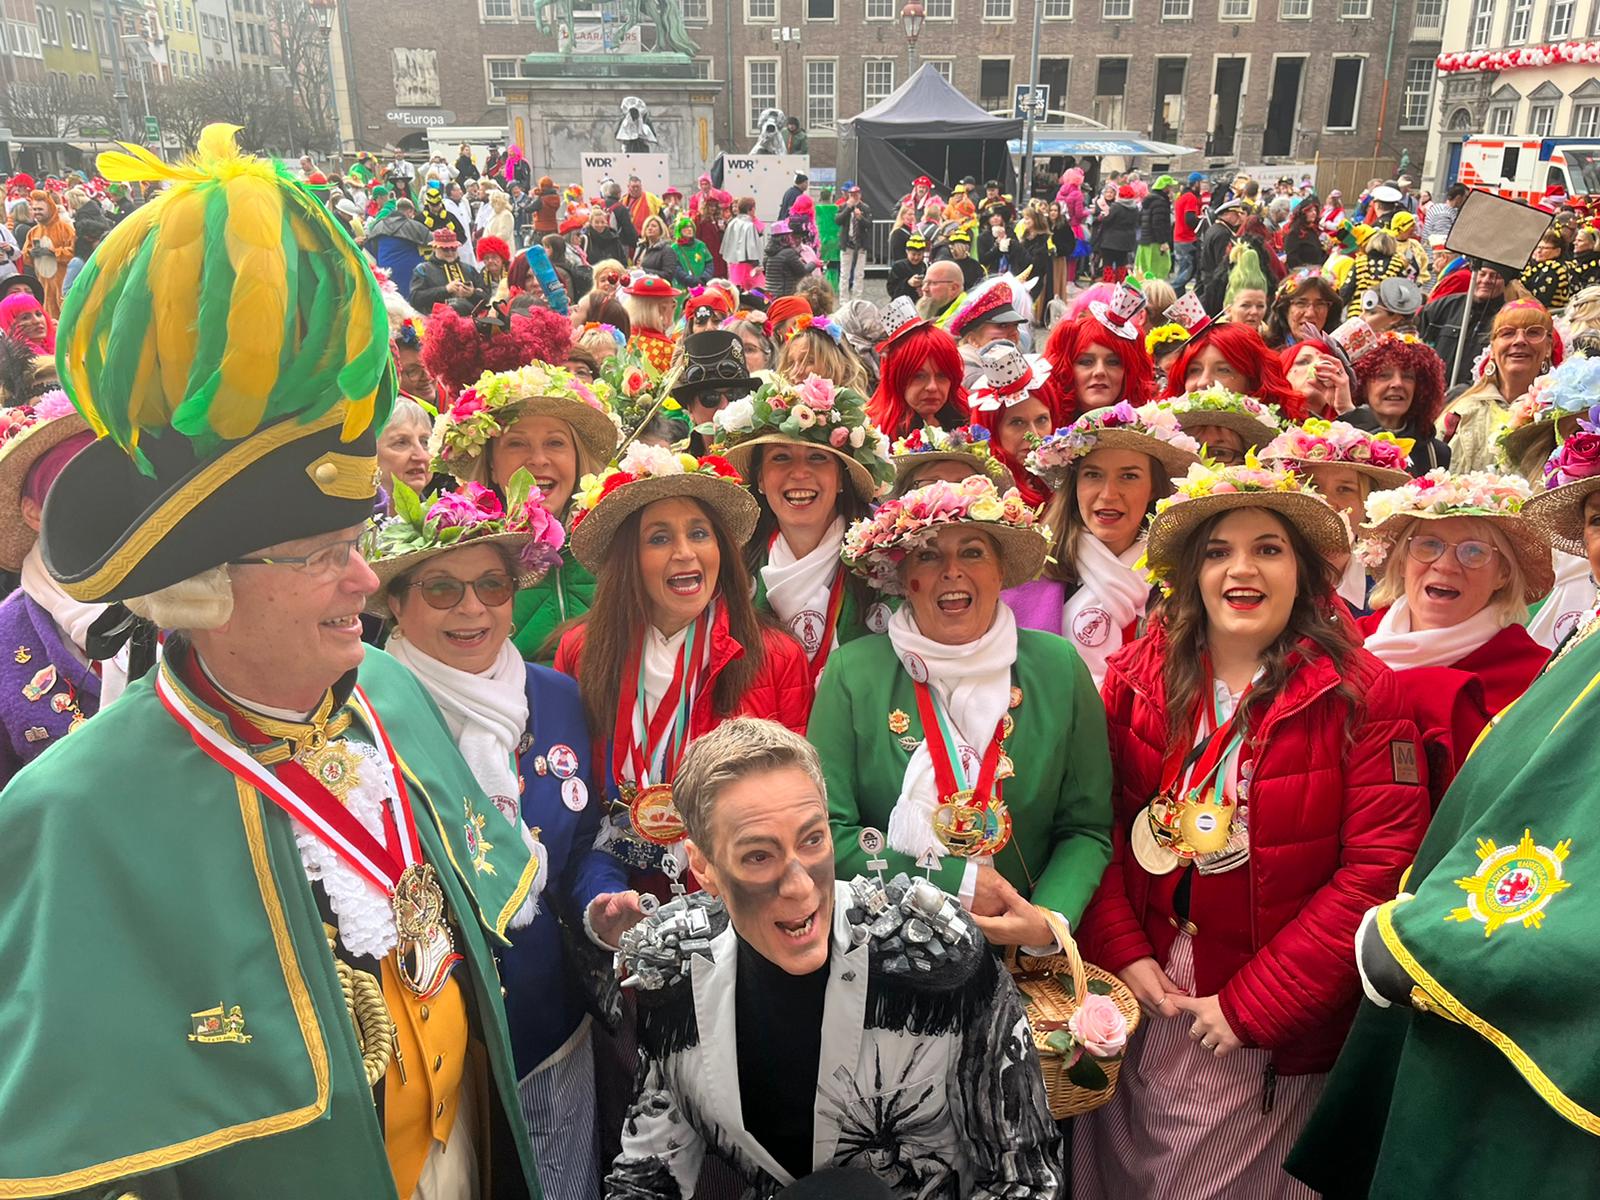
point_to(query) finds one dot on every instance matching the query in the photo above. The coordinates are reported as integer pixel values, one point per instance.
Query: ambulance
(1536, 170)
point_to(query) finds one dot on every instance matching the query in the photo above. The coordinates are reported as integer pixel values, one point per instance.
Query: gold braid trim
(363, 1000)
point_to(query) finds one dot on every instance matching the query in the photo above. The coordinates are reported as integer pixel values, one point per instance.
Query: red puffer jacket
(1333, 823)
(781, 692)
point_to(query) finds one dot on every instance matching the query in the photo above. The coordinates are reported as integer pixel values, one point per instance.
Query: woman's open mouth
(1437, 591)
(1244, 599)
(1108, 516)
(954, 602)
(686, 584)
(467, 639)
(800, 497)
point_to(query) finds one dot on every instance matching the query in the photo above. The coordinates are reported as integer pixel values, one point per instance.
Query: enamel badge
(215, 1025)
(39, 686)
(899, 722)
(1512, 883)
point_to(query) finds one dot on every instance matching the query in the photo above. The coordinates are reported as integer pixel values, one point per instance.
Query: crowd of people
(615, 712)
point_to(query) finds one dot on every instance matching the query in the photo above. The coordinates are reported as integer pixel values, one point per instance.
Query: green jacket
(828, 232)
(145, 885)
(1060, 797)
(566, 592)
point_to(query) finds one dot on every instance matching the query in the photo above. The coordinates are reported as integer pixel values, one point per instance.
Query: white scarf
(1572, 597)
(73, 618)
(1400, 647)
(797, 586)
(1352, 587)
(1110, 596)
(487, 714)
(972, 683)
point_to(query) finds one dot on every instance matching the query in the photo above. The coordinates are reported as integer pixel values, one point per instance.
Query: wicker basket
(1054, 986)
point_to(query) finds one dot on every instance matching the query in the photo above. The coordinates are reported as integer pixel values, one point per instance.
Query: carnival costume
(277, 945)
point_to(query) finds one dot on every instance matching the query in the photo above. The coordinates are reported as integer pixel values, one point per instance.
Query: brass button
(438, 1062)
(439, 1112)
(424, 1012)
(1188, 927)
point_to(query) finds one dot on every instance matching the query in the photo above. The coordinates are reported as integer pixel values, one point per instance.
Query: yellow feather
(250, 364)
(217, 142)
(138, 165)
(175, 269)
(357, 417)
(111, 260)
(146, 404)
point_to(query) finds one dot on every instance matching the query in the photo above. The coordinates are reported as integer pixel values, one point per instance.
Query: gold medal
(969, 830)
(1016, 697)
(1203, 826)
(655, 817)
(1148, 850)
(332, 763)
(1006, 768)
(1006, 726)
(425, 952)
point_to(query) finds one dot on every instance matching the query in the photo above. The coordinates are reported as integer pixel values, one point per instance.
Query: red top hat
(445, 236)
(652, 287)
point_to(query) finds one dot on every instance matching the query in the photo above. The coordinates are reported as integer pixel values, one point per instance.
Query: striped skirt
(557, 1101)
(1185, 1123)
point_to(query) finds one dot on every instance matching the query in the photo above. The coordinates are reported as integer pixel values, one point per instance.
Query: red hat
(784, 308)
(671, 190)
(576, 218)
(1126, 192)
(445, 236)
(922, 181)
(316, 179)
(652, 287)
(713, 298)
(489, 244)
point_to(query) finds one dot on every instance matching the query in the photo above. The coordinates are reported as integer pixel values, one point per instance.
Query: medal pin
(648, 904)
(670, 866)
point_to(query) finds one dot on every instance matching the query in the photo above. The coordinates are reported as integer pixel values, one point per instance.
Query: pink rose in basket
(1100, 1026)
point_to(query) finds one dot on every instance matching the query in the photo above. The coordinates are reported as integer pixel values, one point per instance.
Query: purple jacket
(30, 646)
(1038, 605)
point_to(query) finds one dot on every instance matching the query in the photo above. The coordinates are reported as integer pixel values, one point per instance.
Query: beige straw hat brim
(743, 455)
(1312, 516)
(906, 465)
(595, 429)
(1175, 459)
(1022, 551)
(1383, 478)
(734, 506)
(389, 569)
(1529, 542)
(16, 460)
(1559, 513)
(1255, 433)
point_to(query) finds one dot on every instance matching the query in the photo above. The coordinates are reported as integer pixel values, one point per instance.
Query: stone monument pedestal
(565, 106)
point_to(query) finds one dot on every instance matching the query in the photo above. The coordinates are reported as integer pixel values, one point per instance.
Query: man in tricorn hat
(249, 897)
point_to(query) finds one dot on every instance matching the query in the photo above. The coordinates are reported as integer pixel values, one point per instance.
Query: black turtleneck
(778, 1032)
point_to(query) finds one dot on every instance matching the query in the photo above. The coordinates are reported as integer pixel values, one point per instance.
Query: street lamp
(911, 18)
(322, 10)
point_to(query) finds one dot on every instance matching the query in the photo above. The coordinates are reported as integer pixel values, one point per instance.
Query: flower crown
(1054, 455)
(456, 517)
(875, 546)
(643, 461)
(809, 321)
(487, 408)
(1319, 441)
(17, 420)
(1441, 493)
(1217, 398)
(409, 335)
(814, 411)
(971, 440)
(1567, 391)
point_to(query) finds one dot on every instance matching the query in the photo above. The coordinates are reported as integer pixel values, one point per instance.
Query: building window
(994, 84)
(760, 86)
(1355, 10)
(944, 67)
(1418, 95)
(1502, 119)
(1482, 23)
(1177, 10)
(1542, 120)
(1058, 10)
(1430, 15)
(702, 68)
(496, 10)
(881, 10)
(1520, 20)
(1053, 74)
(78, 30)
(1294, 10)
(1116, 10)
(1560, 20)
(760, 10)
(821, 94)
(697, 12)
(1110, 82)
(998, 10)
(499, 69)
(49, 27)
(1344, 93)
(1237, 10)
(877, 80)
(940, 10)
(822, 10)
(1586, 120)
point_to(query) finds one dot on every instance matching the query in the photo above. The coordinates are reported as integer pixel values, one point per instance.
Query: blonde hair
(735, 750)
(1158, 297)
(1583, 310)
(203, 601)
(1508, 599)
(823, 356)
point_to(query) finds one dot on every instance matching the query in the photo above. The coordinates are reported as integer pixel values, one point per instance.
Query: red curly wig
(1420, 360)
(489, 244)
(1070, 338)
(457, 351)
(888, 408)
(1247, 354)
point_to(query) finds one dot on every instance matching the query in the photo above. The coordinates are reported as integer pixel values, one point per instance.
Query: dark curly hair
(1410, 355)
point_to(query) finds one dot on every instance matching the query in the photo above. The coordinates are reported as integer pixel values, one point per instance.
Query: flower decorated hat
(471, 516)
(966, 444)
(1150, 429)
(1009, 377)
(27, 434)
(1381, 457)
(813, 413)
(498, 400)
(875, 546)
(1550, 410)
(632, 390)
(1251, 419)
(1208, 490)
(1483, 494)
(646, 474)
(1570, 474)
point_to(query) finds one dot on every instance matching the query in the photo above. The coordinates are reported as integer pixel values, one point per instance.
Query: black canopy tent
(924, 127)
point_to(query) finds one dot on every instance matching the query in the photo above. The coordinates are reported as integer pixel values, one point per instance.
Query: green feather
(356, 379)
(131, 311)
(291, 307)
(312, 372)
(216, 295)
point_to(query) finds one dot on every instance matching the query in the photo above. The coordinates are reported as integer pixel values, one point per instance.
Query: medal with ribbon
(649, 746)
(971, 820)
(424, 953)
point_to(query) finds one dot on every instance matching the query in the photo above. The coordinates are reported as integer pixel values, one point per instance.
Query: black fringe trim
(954, 998)
(667, 1021)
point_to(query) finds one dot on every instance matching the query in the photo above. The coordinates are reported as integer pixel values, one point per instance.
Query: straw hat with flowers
(1151, 429)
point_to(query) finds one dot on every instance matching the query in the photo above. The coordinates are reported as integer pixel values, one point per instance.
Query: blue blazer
(544, 1000)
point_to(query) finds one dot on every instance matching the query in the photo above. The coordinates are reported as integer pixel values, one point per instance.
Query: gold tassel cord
(363, 1000)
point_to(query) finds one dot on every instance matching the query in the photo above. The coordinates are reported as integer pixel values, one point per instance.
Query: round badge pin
(878, 618)
(916, 668)
(870, 841)
(807, 626)
(563, 761)
(575, 794)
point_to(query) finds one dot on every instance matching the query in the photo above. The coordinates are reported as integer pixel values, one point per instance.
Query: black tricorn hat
(713, 359)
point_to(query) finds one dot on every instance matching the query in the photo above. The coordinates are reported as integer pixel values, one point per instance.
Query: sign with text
(1041, 101)
(764, 176)
(653, 170)
(419, 118)
(596, 37)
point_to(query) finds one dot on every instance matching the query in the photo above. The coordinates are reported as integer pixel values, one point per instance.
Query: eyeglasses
(445, 592)
(323, 563)
(1472, 554)
(1310, 302)
(1530, 333)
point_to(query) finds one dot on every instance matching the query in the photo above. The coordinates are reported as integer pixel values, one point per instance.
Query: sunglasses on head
(445, 592)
